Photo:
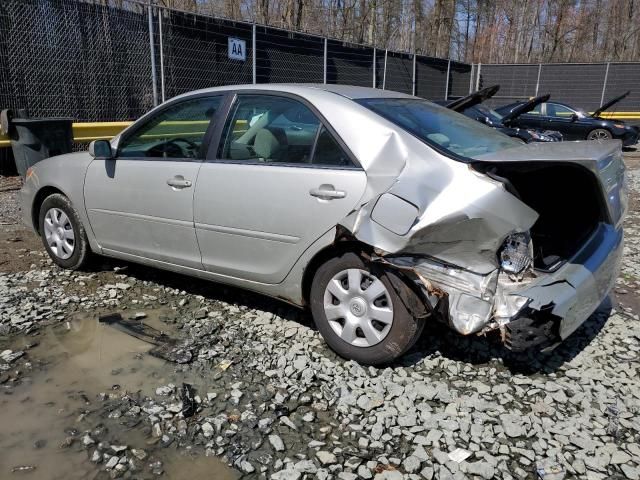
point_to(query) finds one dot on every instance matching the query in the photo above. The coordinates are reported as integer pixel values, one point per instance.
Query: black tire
(81, 250)
(404, 330)
(599, 134)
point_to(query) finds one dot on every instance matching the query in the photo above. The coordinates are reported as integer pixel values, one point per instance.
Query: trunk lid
(603, 159)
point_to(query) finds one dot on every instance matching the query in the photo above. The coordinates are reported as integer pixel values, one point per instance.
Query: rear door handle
(327, 192)
(178, 182)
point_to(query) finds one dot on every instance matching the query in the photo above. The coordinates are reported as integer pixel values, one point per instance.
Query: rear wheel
(358, 312)
(599, 134)
(62, 232)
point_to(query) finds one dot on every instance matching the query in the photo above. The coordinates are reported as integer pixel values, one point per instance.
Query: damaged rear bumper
(540, 310)
(575, 290)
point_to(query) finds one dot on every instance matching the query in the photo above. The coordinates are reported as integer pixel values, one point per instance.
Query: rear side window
(270, 129)
(440, 127)
(328, 151)
(535, 111)
(176, 132)
(274, 129)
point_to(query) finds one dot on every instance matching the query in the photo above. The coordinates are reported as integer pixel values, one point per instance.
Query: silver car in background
(377, 210)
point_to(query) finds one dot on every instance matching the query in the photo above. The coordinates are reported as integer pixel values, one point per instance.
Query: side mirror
(100, 149)
(574, 117)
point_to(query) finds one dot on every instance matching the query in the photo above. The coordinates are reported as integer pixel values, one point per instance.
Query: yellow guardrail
(86, 132)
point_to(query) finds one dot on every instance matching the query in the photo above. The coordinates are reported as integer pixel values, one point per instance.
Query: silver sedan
(376, 210)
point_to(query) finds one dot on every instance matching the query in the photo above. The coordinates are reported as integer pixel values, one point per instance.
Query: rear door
(141, 202)
(279, 179)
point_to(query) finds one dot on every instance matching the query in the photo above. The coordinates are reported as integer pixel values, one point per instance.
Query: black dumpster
(34, 139)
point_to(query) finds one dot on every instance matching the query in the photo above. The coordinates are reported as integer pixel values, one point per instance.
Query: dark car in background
(573, 123)
(472, 107)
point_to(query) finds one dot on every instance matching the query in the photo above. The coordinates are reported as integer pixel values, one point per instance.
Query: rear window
(440, 127)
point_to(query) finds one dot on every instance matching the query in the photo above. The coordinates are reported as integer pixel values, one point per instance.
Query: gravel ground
(274, 402)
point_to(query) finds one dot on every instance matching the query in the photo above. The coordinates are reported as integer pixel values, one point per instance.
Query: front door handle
(327, 192)
(178, 182)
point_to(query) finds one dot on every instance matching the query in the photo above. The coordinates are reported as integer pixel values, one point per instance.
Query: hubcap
(358, 307)
(599, 135)
(59, 233)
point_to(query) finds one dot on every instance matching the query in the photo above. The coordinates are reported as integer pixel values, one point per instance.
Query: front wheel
(599, 134)
(62, 233)
(359, 314)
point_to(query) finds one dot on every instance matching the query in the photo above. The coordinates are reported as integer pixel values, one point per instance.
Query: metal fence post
(471, 79)
(153, 58)
(255, 51)
(446, 86)
(325, 60)
(538, 80)
(161, 56)
(604, 84)
(413, 85)
(374, 68)
(478, 77)
(384, 73)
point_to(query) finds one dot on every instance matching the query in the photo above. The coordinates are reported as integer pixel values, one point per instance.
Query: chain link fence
(104, 61)
(98, 61)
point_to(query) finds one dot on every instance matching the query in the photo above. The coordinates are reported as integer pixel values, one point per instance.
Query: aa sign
(237, 49)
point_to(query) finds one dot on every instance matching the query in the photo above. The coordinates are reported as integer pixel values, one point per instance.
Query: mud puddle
(44, 416)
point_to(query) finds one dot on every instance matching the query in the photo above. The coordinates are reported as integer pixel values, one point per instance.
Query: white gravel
(279, 404)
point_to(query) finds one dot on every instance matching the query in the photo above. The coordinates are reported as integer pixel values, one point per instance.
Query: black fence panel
(516, 82)
(284, 56)
(431, 78)
(349, 64)
(399, 76)
(623, 77)
(579, 85)
(380, 66)
(195, 51)
(459, 79)
(87, 61)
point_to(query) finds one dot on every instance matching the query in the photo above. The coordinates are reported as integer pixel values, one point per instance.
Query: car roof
(349, 91)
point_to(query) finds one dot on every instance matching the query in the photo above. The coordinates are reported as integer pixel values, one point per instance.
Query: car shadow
(436, 339)
(478, 350)
(211, 290)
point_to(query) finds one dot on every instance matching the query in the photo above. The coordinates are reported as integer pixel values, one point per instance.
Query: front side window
(267, 128)
(176, 132)
(440, 127)
(559, 111)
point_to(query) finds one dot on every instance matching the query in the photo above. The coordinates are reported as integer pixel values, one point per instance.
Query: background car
(472, 107)
(573, 123)
(377, 210)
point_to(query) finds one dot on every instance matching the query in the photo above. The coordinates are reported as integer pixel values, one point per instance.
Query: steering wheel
(191, 146)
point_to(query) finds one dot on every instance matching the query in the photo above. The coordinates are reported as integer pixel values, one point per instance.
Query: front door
(141, 202)
(279, 181)
(565, 120)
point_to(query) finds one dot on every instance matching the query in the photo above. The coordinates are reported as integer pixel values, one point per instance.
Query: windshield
(440, 127)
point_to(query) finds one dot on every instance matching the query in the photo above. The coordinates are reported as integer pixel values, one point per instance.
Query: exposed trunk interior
(568, 199)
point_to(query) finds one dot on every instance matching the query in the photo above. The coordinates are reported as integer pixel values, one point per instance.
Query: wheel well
(37, 203)
(324, 255)
(599, 128)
